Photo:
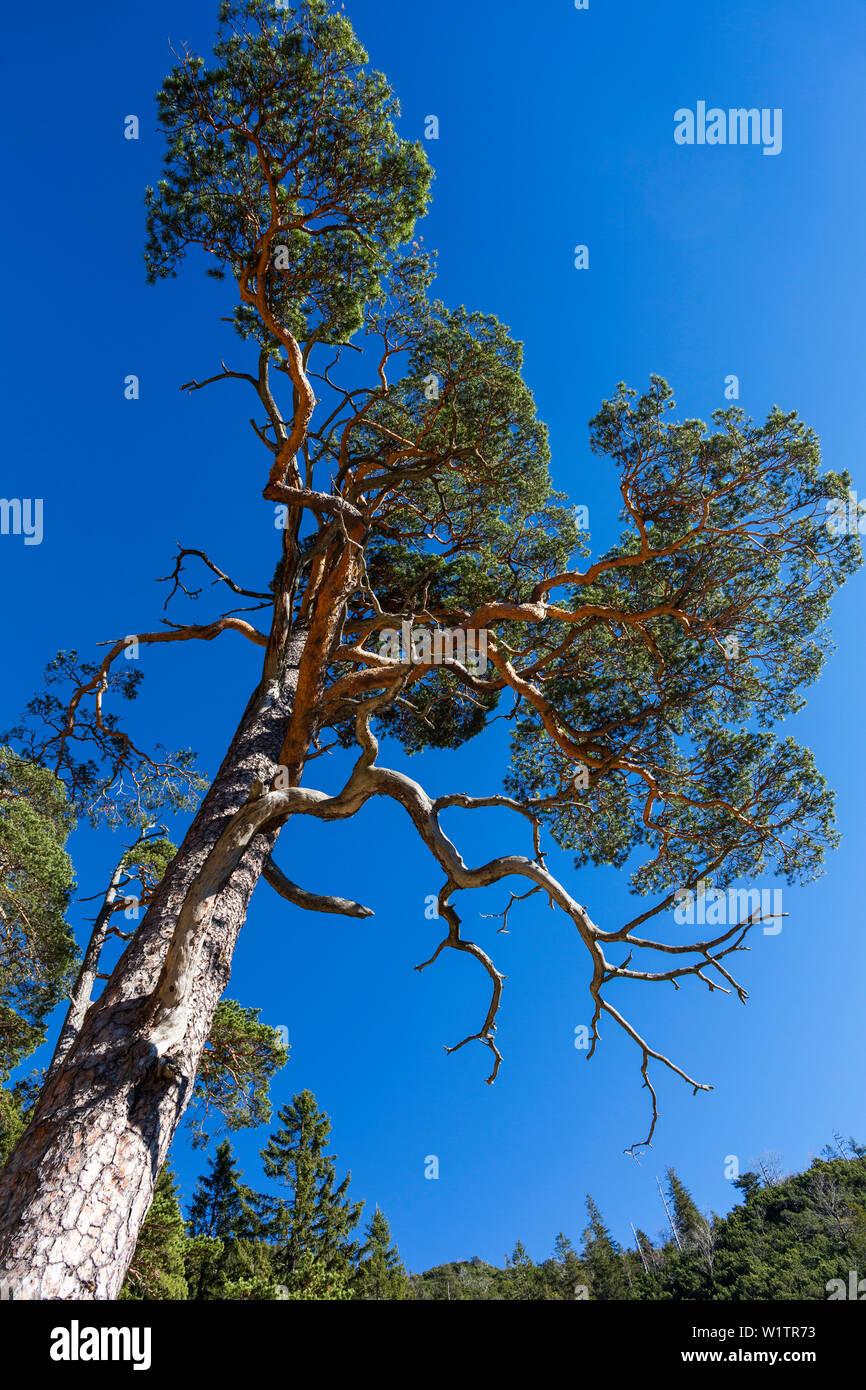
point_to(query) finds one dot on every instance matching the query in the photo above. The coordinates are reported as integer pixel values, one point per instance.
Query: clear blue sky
(556, 128)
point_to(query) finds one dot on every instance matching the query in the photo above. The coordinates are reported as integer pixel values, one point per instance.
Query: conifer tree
(220, 1206)
(602, 1258)
(381, 1274)
(569, 1270)
(312, 1228)
(238, 1063)
(524, 1279)
(684, 1213)
(37, 948)
(748, 1183)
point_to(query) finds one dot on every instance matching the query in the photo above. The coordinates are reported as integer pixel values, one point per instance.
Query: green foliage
(696, 722)
(37, 949)
(203, 1267)
(684, 1214)
(523, 1279)
(568, 1275)
(311, 1230)
(239, 1061)
(475, 521)
(381, 1275)
(224, 1258)
(283, 162)
(788, 1240)
(220, 1206)
(460, 1281)
(237, 1270)
(157, 1268)
(488, 473)
(148, 862)
(16, 1108)
(602, 1258)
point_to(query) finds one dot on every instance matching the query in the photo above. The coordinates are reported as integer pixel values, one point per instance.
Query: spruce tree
(381, 1273)
(568, 1268)
(311, 1229)
(524, 1280)
(220, 1205)
(602, 1258)
(686, 1218)
(226, 1257)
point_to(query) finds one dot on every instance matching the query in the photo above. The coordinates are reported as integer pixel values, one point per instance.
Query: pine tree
(381, 1274)
(748, 1183)
(312, 1228)
(37, 948)
(418, 485)
(16, 1108)
(237, 1066)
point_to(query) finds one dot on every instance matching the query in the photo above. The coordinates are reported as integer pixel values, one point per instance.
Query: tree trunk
(82, 990)
(76, 1189)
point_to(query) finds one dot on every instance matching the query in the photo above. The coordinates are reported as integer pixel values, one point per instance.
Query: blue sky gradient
(556, 129)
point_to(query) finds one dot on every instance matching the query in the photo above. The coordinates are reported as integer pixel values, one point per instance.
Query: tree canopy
(410, 476)
(37, 948)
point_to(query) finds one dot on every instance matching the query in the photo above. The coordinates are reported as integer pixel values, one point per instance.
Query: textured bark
(78, 1185)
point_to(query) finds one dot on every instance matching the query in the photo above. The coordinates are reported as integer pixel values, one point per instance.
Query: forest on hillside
(791, 1237)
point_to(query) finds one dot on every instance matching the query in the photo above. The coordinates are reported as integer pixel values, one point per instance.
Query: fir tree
(602, 1258)
(686, 1218)
(524, 1280)
(312, 1228)
(220, 1206)
(224, 1258)
(381, 1274)
(568, 1271)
